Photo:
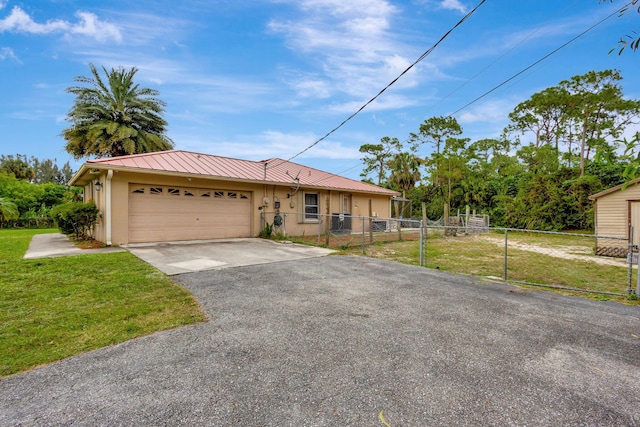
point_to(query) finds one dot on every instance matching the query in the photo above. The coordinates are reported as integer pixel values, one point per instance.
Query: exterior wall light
(98, 186)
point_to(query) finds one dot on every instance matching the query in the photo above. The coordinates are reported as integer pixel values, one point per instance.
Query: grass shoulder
(53, 308)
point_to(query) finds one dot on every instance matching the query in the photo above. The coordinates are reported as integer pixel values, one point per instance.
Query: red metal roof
(274, 170)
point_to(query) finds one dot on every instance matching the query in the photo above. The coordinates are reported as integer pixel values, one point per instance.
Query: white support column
(107, 208)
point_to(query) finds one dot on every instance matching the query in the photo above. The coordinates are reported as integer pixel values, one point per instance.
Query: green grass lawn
(53, 308)
(481, 256)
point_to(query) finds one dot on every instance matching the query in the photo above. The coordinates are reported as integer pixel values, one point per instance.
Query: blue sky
(266, 78)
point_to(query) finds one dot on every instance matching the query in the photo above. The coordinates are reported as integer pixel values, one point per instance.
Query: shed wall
(613, 220)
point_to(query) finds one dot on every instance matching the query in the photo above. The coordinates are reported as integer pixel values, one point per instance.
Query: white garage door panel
(162, 213)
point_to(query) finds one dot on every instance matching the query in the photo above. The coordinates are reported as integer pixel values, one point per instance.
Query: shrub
(76, 218)
(265, 233)
(8, 210)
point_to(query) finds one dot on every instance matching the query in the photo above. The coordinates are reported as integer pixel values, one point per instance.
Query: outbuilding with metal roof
(617, 214)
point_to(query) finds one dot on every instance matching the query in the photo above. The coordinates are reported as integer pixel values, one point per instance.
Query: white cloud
(489, 111)
(19, 21)
(453, 5)
(332, 150)
(143, 29)
(290, 144)
(487, 119)
(7, 53)
(348, 8)
(385, 102)
(351, 43)
(629, 132)
(88, 25)
(3, 3)
(341, 26)
(268, 144)
(91, 26)
(313, 88)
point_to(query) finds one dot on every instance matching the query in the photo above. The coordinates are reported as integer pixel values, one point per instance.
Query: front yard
(53, 308)
(58, 307)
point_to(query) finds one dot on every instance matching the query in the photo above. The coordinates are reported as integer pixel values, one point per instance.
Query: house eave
(86, 172)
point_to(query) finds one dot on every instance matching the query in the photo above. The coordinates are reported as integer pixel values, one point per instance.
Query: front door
(346, 204)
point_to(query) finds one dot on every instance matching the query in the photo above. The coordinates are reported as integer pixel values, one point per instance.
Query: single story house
(617, 211)
(182, 195)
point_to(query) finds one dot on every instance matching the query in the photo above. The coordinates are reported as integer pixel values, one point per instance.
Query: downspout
(107, 208)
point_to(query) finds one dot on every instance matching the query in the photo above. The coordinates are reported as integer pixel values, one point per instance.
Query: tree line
(34, 170)
(573, 147)
(30, 188)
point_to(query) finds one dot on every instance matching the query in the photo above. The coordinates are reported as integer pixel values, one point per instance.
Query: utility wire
(537, 62)
(424, 55)
(501, 56)
(523, 70)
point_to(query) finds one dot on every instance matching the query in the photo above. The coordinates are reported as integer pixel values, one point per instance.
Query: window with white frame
(311, 206)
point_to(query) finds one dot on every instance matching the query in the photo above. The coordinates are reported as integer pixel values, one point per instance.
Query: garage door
(165, 213)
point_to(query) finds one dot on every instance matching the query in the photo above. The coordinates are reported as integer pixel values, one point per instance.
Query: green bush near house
(266, 232)
(75, 218)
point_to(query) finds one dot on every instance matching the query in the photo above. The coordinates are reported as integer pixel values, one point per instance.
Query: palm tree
(116, 118)
(405, 171)
(8, 210)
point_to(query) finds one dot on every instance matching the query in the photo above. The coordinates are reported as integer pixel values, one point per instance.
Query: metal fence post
(630, 291)
(420, 237)
(319, 227)
(426, 238)
(506, 245)
(637, 278)
(284, 224)
(630, 256)
(362, 235)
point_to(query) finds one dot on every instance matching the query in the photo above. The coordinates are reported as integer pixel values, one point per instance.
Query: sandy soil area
(566, 252)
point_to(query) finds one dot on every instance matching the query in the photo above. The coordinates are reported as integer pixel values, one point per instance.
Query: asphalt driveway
(336, 341)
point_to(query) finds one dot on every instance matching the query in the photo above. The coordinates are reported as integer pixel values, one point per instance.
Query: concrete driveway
(189, 256)
(338, 341)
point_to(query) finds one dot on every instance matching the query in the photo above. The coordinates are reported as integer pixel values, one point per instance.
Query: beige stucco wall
(262, 201)
(91, 193)
(330, 202)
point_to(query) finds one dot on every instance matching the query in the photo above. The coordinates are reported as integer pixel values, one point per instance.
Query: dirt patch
(88, 244)
(580, 253)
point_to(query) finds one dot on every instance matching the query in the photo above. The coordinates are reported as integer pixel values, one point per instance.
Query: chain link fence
(532, 257)
(342, 230)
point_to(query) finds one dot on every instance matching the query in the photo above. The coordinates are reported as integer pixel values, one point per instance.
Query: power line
(424, 55)
(501, 57)
(537, 62)
(504, 82)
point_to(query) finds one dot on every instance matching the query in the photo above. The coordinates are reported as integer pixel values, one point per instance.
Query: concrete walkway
(56, 245)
